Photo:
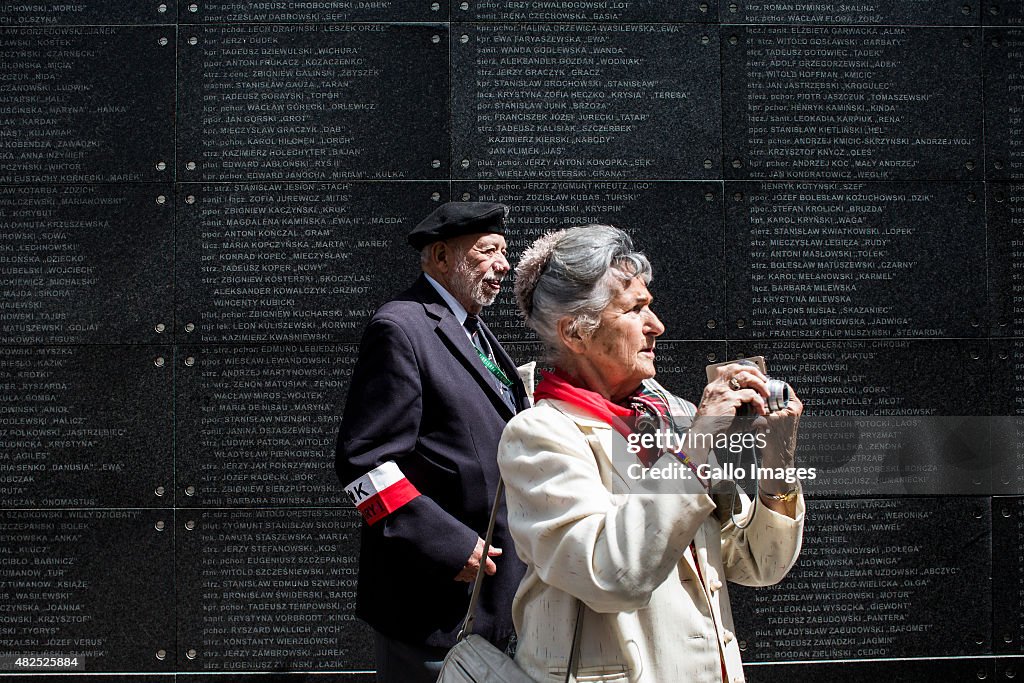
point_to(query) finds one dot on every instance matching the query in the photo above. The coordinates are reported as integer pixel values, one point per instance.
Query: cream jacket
(651, 617)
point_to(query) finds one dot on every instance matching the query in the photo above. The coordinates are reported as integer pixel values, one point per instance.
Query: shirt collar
(453, 304)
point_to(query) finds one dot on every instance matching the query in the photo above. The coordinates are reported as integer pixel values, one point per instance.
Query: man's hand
(468, 573)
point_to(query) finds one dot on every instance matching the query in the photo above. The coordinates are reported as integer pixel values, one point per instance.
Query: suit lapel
(454, 337)
(691, 563)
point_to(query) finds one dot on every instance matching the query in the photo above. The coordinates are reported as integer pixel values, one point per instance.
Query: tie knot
(472, 324)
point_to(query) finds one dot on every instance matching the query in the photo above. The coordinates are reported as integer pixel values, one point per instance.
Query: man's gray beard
(466, 286)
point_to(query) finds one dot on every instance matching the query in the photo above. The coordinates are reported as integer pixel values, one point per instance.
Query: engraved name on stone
(58, 107)
(320, 12)
(571, 101)
(268, 424)
(1004, 108)
(825, 259)
(295, 262)
(836, 103)
(278, 589)
(49, 603)
(860, 556)
(56, 448)
(588, 10)
(865, 12)
(291, 102)
(55, 262)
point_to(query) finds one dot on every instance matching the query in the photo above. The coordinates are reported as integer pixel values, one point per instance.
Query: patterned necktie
(472, 325)
(502, 383)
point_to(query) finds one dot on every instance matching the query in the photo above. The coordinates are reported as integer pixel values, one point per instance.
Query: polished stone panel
(269, 590)
(585, 101)
(79, 582)
(87, 104)
(877, 579)
(848, 103)
(855, 260)
(312, 102)
(293, 262)
(1005, 223)
(889, 417)
(86, 426)
(256, 425)
(67, 273)
(1008, 574)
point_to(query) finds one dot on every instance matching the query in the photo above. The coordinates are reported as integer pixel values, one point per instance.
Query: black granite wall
(201, 204)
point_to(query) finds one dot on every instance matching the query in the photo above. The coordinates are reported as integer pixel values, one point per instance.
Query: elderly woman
(650, 568)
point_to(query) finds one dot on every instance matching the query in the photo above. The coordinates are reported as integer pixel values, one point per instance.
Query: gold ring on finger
(734, 384)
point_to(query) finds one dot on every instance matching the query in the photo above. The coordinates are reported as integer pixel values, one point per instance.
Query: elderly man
(416, 452)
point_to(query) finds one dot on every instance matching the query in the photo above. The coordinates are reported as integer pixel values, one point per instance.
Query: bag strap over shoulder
(467, 627)
(574, 651)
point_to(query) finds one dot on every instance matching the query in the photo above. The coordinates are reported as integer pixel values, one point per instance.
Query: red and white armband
(380, 492)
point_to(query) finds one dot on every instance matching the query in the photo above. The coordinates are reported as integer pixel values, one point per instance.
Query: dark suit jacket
(420, 397)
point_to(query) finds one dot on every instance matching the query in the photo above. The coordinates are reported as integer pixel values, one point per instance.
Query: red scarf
(559, 385)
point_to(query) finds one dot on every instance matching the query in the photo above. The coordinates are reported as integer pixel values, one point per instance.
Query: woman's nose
(654, 325)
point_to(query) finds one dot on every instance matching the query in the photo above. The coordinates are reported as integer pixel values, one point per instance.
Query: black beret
(453, 219)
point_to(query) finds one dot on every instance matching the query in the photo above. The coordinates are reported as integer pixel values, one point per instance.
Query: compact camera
(778, 391)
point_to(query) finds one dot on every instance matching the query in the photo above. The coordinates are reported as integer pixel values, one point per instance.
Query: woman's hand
(779, 429)
(734, 385)
(779, 433)
(740, 384)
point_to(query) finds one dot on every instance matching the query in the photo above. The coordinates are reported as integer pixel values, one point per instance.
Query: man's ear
(569, 334)
(440, 256)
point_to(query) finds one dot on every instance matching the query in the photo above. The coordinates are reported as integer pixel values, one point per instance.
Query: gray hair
(569, 273)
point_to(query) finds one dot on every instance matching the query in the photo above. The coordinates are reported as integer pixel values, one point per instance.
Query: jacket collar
(581, 416)
(453, 334)
(450, 301)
